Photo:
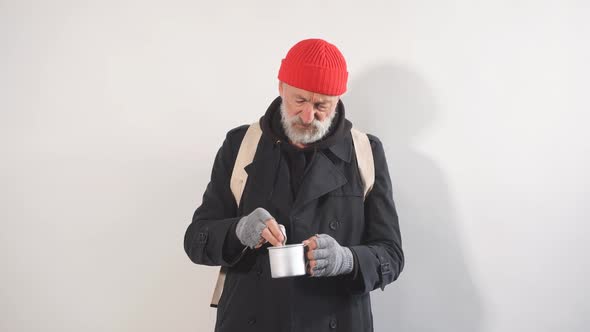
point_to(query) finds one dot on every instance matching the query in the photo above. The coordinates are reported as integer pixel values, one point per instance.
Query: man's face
(306, 116)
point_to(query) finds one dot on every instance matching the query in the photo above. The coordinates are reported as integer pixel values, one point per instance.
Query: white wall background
(112, 112)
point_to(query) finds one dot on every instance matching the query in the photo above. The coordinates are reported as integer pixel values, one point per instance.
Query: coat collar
(323, 177)
(343, 149)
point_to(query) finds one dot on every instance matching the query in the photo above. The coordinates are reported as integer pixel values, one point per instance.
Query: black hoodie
(300, 158)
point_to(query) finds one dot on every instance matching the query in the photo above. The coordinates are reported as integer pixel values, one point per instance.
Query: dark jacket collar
(338, 140)
(343, 148)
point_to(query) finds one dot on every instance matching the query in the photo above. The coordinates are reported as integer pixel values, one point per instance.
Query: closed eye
(321, 107)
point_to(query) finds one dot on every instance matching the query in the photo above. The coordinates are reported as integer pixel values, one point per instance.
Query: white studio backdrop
(111, 113)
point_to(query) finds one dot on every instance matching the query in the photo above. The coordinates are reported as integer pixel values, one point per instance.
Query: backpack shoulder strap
(237, 183)
(364, 157)
(244, 158)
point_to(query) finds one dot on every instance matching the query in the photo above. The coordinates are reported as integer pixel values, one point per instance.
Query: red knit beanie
(315, 65)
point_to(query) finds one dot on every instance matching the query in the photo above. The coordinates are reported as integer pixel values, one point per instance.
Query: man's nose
(307, 114)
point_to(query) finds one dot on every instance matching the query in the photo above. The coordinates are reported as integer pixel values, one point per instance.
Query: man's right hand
(258, 228)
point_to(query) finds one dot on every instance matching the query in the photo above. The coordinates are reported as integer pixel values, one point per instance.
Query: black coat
(330, 201)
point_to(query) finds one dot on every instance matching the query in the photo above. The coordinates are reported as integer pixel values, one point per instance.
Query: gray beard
(316, 130)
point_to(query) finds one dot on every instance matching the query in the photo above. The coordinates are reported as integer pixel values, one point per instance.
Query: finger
(320, 253)
(311, 243)
(274, 228)
(309, 268)
(268, 236)
(260, 243)
(324, 241)
(310, 255)
(318, 272)
(320, 264)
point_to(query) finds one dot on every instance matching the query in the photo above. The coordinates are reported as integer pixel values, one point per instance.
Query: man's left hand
(326, 257)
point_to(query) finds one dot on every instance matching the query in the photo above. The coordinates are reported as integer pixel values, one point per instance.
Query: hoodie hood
(300, 158)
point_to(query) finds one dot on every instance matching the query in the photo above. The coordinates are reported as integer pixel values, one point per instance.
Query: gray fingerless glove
(331, 258)
(249, 228)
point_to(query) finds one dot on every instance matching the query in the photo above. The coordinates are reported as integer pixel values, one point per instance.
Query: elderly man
(304, 182)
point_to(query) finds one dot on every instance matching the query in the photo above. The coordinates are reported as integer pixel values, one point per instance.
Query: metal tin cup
(287, 260)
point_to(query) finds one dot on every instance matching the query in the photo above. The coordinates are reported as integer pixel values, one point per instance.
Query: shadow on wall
(435, 292)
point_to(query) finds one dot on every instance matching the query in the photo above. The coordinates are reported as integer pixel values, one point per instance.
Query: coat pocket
(238, 301)
(225, 299)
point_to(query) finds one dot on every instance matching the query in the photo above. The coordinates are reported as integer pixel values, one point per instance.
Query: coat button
(333, 323)
(333, 225)
(202, 238)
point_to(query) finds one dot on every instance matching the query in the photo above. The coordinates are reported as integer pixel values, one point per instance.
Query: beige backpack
(363, 151)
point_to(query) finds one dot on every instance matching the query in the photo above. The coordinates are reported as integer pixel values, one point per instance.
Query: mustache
(297, 120)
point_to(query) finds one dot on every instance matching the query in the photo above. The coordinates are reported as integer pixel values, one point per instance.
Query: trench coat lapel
(321, 178)
(261, 172)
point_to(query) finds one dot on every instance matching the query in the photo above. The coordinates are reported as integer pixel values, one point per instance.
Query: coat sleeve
(379, 258)
(210, 238)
